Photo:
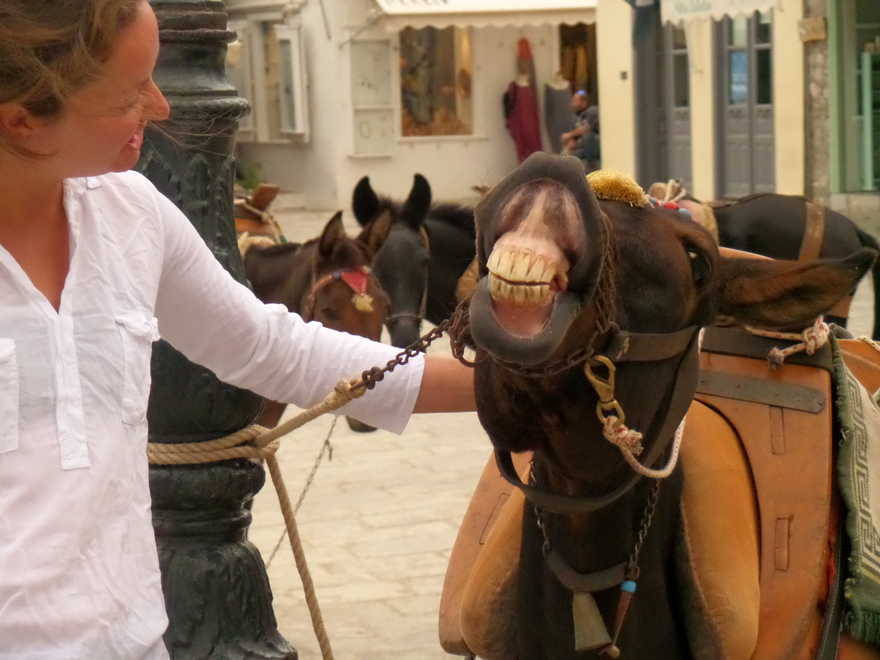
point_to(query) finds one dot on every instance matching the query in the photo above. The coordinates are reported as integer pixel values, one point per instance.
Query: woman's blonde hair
(48, 50)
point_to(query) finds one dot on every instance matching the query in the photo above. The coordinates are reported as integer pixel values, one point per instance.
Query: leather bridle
(364, 272)
(624, 346)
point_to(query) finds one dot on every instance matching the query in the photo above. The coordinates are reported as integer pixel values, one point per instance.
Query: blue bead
(628, 585)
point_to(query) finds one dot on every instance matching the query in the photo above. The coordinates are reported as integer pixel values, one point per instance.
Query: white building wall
(617, 106)
(324, 170)
(452, 164)
(309, 168)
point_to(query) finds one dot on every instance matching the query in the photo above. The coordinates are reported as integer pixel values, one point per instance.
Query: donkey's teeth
(536, 268)
(519, 294)
(520, 269)
(492, 263)
(505, 261)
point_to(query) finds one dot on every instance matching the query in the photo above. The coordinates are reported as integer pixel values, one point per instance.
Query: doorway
(745, 110)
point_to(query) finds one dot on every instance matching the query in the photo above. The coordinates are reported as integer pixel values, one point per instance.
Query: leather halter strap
(627, 347)
(334, 276)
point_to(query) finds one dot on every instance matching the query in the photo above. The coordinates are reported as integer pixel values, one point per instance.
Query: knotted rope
(673, 191)
(629, 442)
(257, 442)
(811, 340)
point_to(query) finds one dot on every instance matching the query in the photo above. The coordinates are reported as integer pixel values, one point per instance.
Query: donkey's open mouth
(539, 265)
(526, 273)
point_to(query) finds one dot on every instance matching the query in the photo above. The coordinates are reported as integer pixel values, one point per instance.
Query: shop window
(763, 28)
(266, 64)
(763, 22)
(435, 82)
(764, 77)
(738, 78)
(867, 11)
(288, 80)
(238, 70)
(681, 89)
(749, 59)
(738, 32)
(680, 69)
(371, 97)
(577, 57)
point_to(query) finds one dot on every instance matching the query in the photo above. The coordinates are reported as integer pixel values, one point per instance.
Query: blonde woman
(95, 264)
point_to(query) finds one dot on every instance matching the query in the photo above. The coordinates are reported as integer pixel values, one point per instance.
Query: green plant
(247, 175)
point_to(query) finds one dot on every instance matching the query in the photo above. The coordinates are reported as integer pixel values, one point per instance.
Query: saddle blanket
(858, 471)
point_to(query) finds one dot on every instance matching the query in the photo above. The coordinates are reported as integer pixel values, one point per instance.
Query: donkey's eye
(700, 268)
(329, 313)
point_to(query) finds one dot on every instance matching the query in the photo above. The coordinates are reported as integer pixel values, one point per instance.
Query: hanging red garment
(521, 109)
(521, 105)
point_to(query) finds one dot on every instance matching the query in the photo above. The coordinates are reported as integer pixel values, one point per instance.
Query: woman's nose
(157, 109)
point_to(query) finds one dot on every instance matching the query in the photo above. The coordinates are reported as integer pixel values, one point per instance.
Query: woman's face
(101, 128)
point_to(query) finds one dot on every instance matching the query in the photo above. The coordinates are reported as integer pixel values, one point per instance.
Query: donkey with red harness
(326, 279)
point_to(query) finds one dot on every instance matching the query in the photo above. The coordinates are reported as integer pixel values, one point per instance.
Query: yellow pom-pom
(617, 187)
(363, 302)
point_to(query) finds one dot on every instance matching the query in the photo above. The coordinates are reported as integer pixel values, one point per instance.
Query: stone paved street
(380, 518)
(378, 522)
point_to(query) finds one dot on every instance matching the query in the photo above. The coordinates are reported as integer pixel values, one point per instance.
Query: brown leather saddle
(759, 511)
(252, 213)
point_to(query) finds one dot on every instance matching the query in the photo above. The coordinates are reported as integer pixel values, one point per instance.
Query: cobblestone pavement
(377, 524)
(380, 518)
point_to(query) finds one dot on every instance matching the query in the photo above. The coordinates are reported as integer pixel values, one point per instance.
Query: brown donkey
(587, 314)
(326, 279)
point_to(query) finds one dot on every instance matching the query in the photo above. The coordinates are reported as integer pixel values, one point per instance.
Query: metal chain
(370, 377)
(632, 564)
(539, 514)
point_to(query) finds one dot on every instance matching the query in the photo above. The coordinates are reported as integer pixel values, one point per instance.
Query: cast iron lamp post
(216, 588)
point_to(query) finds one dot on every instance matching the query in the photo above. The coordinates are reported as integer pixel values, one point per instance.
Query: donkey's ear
(364, 202)
(417, 205)
(334, 231)
(785, 294)
(375, 233)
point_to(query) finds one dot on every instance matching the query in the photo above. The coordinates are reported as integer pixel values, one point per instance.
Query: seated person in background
(583, 140)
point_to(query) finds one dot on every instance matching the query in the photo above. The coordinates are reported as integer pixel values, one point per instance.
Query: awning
(678, 10)
(479, 13)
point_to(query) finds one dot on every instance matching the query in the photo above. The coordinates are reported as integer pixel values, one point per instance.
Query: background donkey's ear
(787, 294)
(334, 232)
(364, 202)
(417, 205)
(375, 233)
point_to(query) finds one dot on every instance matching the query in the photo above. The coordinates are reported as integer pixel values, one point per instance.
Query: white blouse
(79, 574)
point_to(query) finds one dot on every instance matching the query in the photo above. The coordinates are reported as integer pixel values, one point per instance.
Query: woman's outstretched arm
(447, 386)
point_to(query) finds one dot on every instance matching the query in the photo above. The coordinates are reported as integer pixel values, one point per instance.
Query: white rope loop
(811, 340)
(629, 442)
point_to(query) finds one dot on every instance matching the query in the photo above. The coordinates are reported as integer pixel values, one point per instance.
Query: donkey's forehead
(401, 237)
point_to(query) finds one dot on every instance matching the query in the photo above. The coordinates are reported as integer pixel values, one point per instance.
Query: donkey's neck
(593, 542)
(608, 532)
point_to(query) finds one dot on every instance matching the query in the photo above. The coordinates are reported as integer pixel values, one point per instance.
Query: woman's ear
(16, 122)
